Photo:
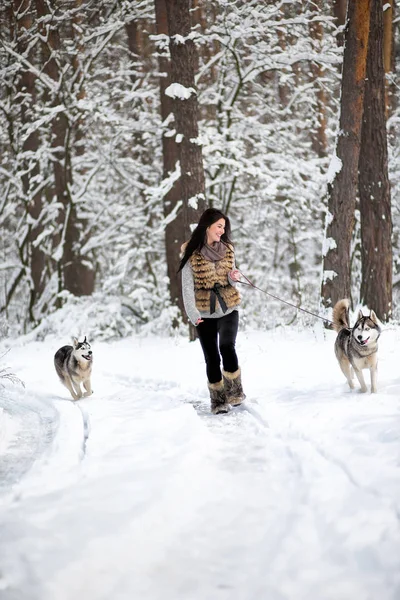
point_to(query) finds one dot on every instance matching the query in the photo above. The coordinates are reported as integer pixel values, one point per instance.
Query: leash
(249, 283)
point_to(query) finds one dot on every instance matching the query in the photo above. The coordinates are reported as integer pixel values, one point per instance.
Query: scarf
(214, 252)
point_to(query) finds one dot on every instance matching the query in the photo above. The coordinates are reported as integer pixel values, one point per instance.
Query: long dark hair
(199, 235)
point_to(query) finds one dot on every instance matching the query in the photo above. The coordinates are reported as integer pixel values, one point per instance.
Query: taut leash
(248, 282)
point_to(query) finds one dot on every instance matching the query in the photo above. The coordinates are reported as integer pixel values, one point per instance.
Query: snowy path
(138, 492)
(25, 433)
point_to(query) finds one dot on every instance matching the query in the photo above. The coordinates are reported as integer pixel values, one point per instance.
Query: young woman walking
(211, 302)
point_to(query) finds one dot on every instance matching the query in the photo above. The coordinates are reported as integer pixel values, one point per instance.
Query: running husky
(356, 348)
(74, 367)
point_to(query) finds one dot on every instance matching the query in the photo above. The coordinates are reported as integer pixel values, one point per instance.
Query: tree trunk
(73, 273)
(185, 107)
(283, 87)
(342, 190)
(132, 34)
(32, 255)
(375, 203)
(174, 229)
(339, 12)
(318, 136)
(389, 56)
(83, 269)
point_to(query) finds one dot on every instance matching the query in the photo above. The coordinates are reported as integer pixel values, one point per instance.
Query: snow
(335, 166)
(328, 275)
(193, 201)
(139, 492)
(328, 244)
(177, 90)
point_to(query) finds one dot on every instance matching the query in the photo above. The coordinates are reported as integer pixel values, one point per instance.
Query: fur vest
(208, 276)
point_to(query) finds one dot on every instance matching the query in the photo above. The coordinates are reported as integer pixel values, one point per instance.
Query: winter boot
(218, 398)
(233, 387)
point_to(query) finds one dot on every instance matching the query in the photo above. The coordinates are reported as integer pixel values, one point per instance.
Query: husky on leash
(74, 367)
(356, 348)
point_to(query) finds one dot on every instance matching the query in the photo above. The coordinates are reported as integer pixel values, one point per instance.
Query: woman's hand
(235, 275)
(199, 320)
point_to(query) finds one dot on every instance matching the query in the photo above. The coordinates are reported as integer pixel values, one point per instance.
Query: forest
(121, 120)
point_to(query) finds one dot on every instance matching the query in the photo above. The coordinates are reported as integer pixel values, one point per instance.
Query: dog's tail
(341, 315)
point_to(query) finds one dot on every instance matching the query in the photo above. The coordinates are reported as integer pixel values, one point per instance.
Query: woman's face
(215, 231)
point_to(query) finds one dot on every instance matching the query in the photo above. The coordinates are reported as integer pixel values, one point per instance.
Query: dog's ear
(85, 340)
(75, 342)
(360, 314)
(373, 316)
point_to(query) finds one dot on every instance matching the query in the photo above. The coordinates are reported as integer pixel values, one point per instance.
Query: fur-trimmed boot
(233, 387)
(218, 398)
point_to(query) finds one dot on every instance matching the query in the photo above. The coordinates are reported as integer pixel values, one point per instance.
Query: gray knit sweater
(189, 300)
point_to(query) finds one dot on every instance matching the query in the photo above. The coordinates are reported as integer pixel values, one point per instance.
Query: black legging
(226, 327)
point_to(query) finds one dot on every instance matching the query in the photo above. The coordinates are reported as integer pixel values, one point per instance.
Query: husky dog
(74, 367)
(356, 348)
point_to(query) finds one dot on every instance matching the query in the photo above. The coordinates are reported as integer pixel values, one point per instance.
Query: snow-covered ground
(139, 493)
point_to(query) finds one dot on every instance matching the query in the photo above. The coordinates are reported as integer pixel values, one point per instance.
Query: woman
(211, 302)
